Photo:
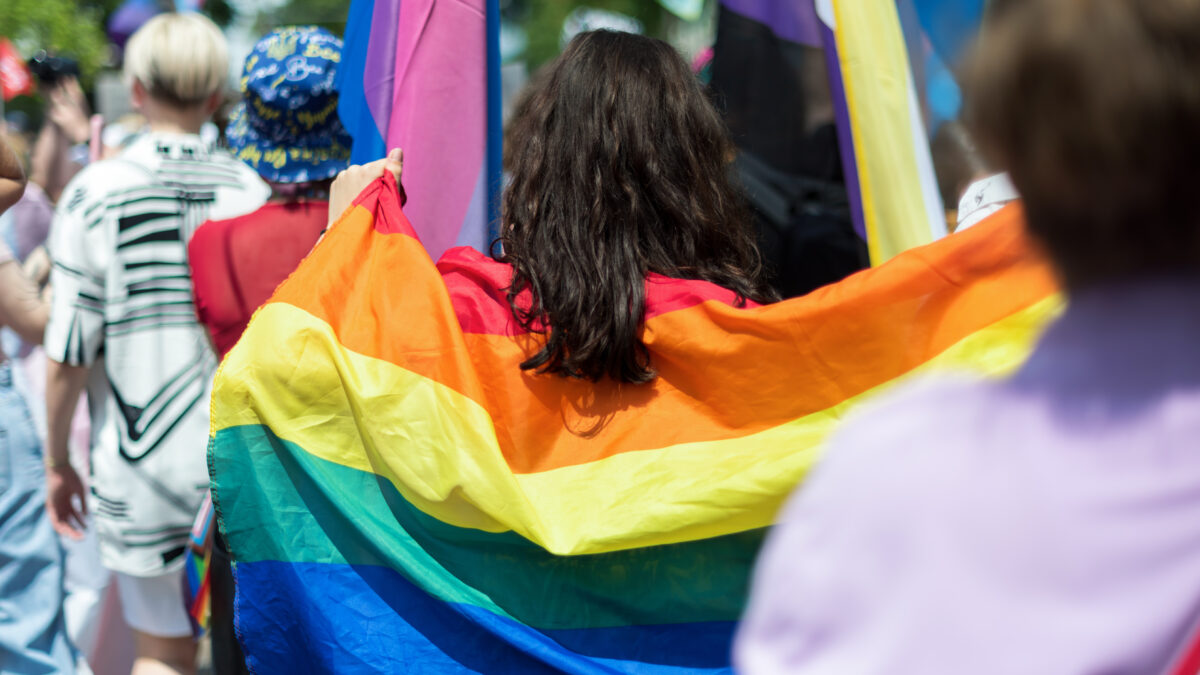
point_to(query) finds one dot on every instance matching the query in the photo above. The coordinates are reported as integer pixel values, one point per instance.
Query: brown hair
(1093, 106)
(622, 170)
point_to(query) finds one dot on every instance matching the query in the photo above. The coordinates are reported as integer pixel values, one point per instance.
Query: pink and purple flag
(423, 75)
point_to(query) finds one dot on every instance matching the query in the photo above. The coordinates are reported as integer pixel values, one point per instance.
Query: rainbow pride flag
(197, 578)
(398, 496)
(423, 75)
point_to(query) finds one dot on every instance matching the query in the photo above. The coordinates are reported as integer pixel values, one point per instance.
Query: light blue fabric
(33, 637)
(951, 25)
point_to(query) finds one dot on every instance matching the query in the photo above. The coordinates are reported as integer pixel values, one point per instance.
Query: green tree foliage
(65, 27)
(543, 20)
(75, 28)
(217, 10)
(329, 14)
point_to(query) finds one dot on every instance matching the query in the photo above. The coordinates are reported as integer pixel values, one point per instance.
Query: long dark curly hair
(621, 170)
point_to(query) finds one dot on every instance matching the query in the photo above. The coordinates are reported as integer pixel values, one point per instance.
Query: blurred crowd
(135, 251)
(162, 246)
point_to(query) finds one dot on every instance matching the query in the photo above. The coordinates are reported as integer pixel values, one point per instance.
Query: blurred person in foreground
(33, 637)
(1049, 522)
(289, 132)
(123, 323)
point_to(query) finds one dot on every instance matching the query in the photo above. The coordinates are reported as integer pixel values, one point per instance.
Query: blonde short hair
(181, 59)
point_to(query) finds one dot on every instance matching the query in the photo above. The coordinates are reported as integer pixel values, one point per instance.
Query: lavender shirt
(1044, 524)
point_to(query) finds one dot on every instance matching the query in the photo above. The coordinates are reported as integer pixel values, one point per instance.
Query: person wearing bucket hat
(286, 128)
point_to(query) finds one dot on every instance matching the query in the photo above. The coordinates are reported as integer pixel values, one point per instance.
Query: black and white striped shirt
(123, 304)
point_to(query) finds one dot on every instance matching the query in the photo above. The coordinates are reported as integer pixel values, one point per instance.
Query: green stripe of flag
(286, 505)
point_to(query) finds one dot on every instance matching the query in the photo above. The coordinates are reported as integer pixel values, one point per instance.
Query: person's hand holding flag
(349, 183)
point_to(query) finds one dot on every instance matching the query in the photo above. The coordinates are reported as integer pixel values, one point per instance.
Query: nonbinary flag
(874, 51)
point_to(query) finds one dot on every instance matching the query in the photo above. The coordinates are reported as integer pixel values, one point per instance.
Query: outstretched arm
(12, 177)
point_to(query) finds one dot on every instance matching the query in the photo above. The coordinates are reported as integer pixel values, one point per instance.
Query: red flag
(15, 78)
(1187, 661)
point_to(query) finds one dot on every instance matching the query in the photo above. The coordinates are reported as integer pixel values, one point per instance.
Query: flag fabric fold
(398, 495)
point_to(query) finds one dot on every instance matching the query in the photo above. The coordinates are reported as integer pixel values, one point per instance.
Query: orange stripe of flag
(819, 349)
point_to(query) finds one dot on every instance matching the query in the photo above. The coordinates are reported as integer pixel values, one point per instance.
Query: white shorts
(154, 605)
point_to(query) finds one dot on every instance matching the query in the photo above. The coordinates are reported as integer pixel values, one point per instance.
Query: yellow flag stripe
(438, 447)
(875, 71)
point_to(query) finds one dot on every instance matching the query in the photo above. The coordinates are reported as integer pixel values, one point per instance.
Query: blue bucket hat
(286, 126)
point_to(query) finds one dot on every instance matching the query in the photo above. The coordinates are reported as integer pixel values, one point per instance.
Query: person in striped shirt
(123, 324)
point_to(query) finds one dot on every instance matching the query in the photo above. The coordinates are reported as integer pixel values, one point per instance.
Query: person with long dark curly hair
(619, 169)
(623, 172)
